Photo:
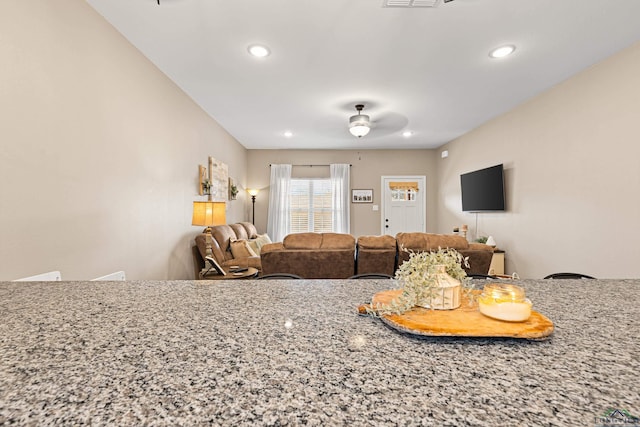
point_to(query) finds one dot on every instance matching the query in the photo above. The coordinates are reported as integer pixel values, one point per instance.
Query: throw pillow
(257, 243)
(241, 249)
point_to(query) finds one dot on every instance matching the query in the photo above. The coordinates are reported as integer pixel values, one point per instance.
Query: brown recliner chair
(311, 256)
(479, 254)
(221, 244)
(376, 255)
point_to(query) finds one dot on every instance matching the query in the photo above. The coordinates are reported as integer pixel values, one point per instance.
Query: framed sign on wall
(361, 196)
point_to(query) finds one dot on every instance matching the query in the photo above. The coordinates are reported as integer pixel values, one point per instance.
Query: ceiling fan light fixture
(359, 124)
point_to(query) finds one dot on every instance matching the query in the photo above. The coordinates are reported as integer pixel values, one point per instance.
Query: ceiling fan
(361, 124)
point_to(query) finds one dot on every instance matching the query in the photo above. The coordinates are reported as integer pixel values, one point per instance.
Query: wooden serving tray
(465, 321)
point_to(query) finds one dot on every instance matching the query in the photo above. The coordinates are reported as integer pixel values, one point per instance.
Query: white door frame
(422, 185)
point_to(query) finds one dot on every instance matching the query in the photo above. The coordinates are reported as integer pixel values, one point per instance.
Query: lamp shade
(207, 214)
(253, 191)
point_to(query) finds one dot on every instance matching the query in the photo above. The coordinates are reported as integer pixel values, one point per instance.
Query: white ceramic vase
(446, 295)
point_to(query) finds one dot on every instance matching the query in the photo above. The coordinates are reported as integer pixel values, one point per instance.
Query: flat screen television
(483, 190)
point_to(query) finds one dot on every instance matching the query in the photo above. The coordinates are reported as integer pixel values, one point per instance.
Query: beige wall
(99, 150)
(572, 160)
(367, 168)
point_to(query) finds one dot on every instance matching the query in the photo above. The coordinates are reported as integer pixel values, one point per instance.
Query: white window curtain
(340, 194)
(278, 217)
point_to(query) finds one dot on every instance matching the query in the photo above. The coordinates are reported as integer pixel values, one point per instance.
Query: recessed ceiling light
(502, 51)
(259, 51)
(288, 134)
(407, 133)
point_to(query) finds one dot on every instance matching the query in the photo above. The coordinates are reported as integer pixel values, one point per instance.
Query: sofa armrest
(271, 247)
(480, 247)
(479, 261)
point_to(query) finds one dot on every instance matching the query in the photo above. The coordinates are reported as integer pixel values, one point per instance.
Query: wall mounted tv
(483, 190)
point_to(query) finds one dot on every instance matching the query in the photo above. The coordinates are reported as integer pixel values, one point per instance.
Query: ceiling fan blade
(388, 123)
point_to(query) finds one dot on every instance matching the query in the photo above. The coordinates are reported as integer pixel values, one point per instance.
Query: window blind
(310, 205)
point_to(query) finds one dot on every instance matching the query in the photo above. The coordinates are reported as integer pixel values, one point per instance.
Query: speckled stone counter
(296, 353)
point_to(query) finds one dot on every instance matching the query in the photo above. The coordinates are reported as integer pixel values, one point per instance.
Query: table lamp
(207, 214)
(253, 193)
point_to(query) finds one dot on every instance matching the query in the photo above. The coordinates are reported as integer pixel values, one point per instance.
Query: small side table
(249, 274)
(497, 263)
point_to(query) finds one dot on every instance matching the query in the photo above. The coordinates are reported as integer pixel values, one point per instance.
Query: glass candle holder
(504, 301)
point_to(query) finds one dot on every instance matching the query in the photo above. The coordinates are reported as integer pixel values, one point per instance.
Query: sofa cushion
(239, 231)
(302, 241)
(479, 258)
(257, 243)
(480, 247)
(430, 242)
(376, 242)
(241, 249)
(337, 241)
(252, 231)
(223, 235)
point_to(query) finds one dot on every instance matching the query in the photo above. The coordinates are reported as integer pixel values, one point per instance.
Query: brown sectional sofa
(479, 254)
(311, 256)
(335, 255)
(332, 255)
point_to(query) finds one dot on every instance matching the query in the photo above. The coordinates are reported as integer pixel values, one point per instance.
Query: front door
(403, 205)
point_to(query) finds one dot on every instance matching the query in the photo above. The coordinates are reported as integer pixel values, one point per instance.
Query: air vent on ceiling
(413, 3)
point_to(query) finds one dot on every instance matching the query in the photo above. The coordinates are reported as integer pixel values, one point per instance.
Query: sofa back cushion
(481, 247)
(479, 257)
(430, 242)
(223, 235)
(302, 241)
(319, 241)
(244, 230)
(376, 242)
(239, 231)
(338, 241)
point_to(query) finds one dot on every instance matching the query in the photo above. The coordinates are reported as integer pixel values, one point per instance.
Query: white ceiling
(421, 69)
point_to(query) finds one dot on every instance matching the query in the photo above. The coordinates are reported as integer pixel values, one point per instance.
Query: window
(310, 205)
(403, 191)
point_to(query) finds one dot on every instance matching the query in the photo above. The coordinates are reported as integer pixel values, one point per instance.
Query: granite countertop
(296, 353)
